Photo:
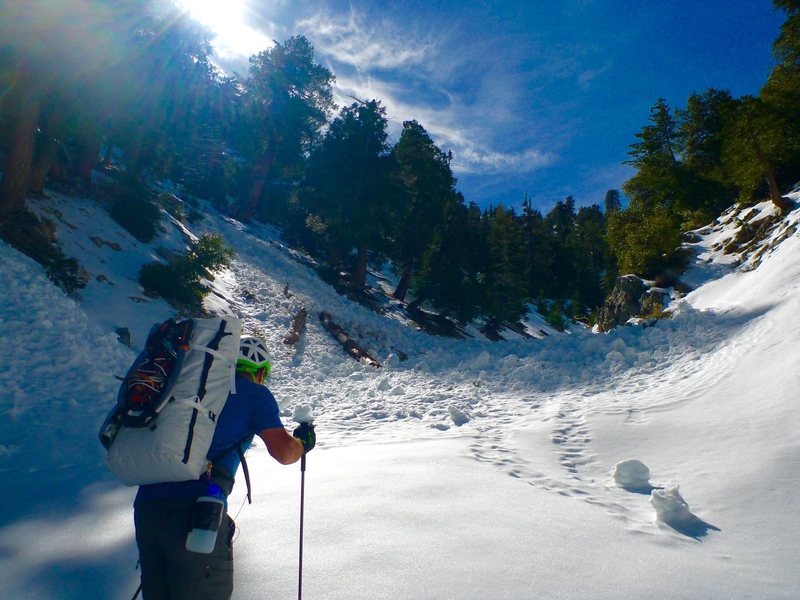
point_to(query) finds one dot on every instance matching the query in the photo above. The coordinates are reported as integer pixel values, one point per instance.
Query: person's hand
(305, 433)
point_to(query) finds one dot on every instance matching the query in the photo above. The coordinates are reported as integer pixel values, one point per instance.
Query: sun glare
(228, 20)
(216, 14)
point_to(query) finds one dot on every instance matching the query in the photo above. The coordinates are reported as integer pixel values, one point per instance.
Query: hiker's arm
(281, 445)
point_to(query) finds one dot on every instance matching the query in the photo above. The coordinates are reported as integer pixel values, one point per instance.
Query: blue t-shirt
(249, 411)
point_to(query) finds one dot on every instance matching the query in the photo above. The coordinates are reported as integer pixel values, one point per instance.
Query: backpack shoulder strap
(224, 478)
(246, 472)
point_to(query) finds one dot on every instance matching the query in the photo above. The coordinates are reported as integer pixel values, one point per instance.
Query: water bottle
(206, 520)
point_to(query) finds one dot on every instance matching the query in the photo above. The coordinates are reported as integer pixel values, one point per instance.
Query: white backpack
(167, 437)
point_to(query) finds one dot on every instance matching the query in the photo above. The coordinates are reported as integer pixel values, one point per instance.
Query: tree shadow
(72, 552)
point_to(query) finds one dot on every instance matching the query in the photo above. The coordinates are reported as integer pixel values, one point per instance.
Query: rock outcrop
(630, 298)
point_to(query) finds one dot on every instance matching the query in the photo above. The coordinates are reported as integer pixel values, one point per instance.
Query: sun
(218, 15)
(227, 19)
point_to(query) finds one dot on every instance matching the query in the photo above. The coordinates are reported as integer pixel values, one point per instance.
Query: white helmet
(253, 354)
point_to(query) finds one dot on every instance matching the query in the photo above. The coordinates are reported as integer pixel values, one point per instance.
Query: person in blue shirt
(163, 511)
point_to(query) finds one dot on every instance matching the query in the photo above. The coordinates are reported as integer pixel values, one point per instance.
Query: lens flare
(216, 14)
(227, 19)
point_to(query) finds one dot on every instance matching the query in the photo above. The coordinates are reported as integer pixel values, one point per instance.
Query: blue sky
(530, 96)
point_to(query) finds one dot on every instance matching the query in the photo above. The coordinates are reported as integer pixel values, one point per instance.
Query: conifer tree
(645, 236)
(538, 264)
(505, 280)
(561, 224)
(347, 182)
(426, 186)
(782, 90)
(452, 269)
(612, 202)
(706, 186)
(288, 99)
(590, 249)
(47, 53)
(755, 141)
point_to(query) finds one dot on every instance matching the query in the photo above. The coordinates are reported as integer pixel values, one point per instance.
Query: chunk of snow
(392, 361)
(302, 414)
(670, 507)
(483, 361)
(459, 416)
(632, 474)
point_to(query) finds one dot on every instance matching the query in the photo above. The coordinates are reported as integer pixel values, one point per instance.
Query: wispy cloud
(484, 160)
(470, 104)
(499, 103)
(453, 127)
(349, 40)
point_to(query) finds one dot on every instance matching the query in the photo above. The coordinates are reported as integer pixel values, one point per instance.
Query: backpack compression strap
(212, 349)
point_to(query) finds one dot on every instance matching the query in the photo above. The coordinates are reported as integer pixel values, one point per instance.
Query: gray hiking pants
(169, 571)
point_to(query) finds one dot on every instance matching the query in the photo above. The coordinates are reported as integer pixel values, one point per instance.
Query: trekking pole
(302, 507)
(302, 414)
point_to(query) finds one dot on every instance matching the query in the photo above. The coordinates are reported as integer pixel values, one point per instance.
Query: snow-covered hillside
(470, 469)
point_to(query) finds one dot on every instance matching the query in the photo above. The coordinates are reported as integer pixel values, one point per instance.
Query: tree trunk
(402, 287)
(88, 159)
(782, 203)
(258, 180)
(359, 279)
(22, 106)
(133, 153)
(45, 156)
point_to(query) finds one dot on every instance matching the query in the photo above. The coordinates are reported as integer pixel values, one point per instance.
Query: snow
(632, 475)
(303, 414)
(659, 460)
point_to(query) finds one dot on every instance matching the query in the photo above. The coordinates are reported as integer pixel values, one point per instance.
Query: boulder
(622, 303)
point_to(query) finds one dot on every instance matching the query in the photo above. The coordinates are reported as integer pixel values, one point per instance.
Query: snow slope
(470, 470)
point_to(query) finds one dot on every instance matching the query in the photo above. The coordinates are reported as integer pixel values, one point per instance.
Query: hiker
(163, 511)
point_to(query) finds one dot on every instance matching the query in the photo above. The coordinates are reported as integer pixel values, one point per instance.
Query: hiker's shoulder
(250, 390)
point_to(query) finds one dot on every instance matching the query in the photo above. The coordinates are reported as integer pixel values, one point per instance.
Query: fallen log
(352, 348)
(297, 327)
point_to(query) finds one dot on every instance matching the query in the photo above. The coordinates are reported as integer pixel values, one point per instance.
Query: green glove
(305, 433)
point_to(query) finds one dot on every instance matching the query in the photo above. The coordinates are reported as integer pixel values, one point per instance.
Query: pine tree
(612, 202)
(61, 55)
(755, 141)
(425, 188)
(505, 282)
(781, 93)
(561, 224)
(659, 145)
(706, 185)
(288, 99)
(452, 271)
(347, 182)
(538, 252)
(590, 248)
(643, 238)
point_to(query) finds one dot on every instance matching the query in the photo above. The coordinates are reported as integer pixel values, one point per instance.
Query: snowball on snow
(632, 474)
(459, 416)
(302, 414)
(670, 507)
